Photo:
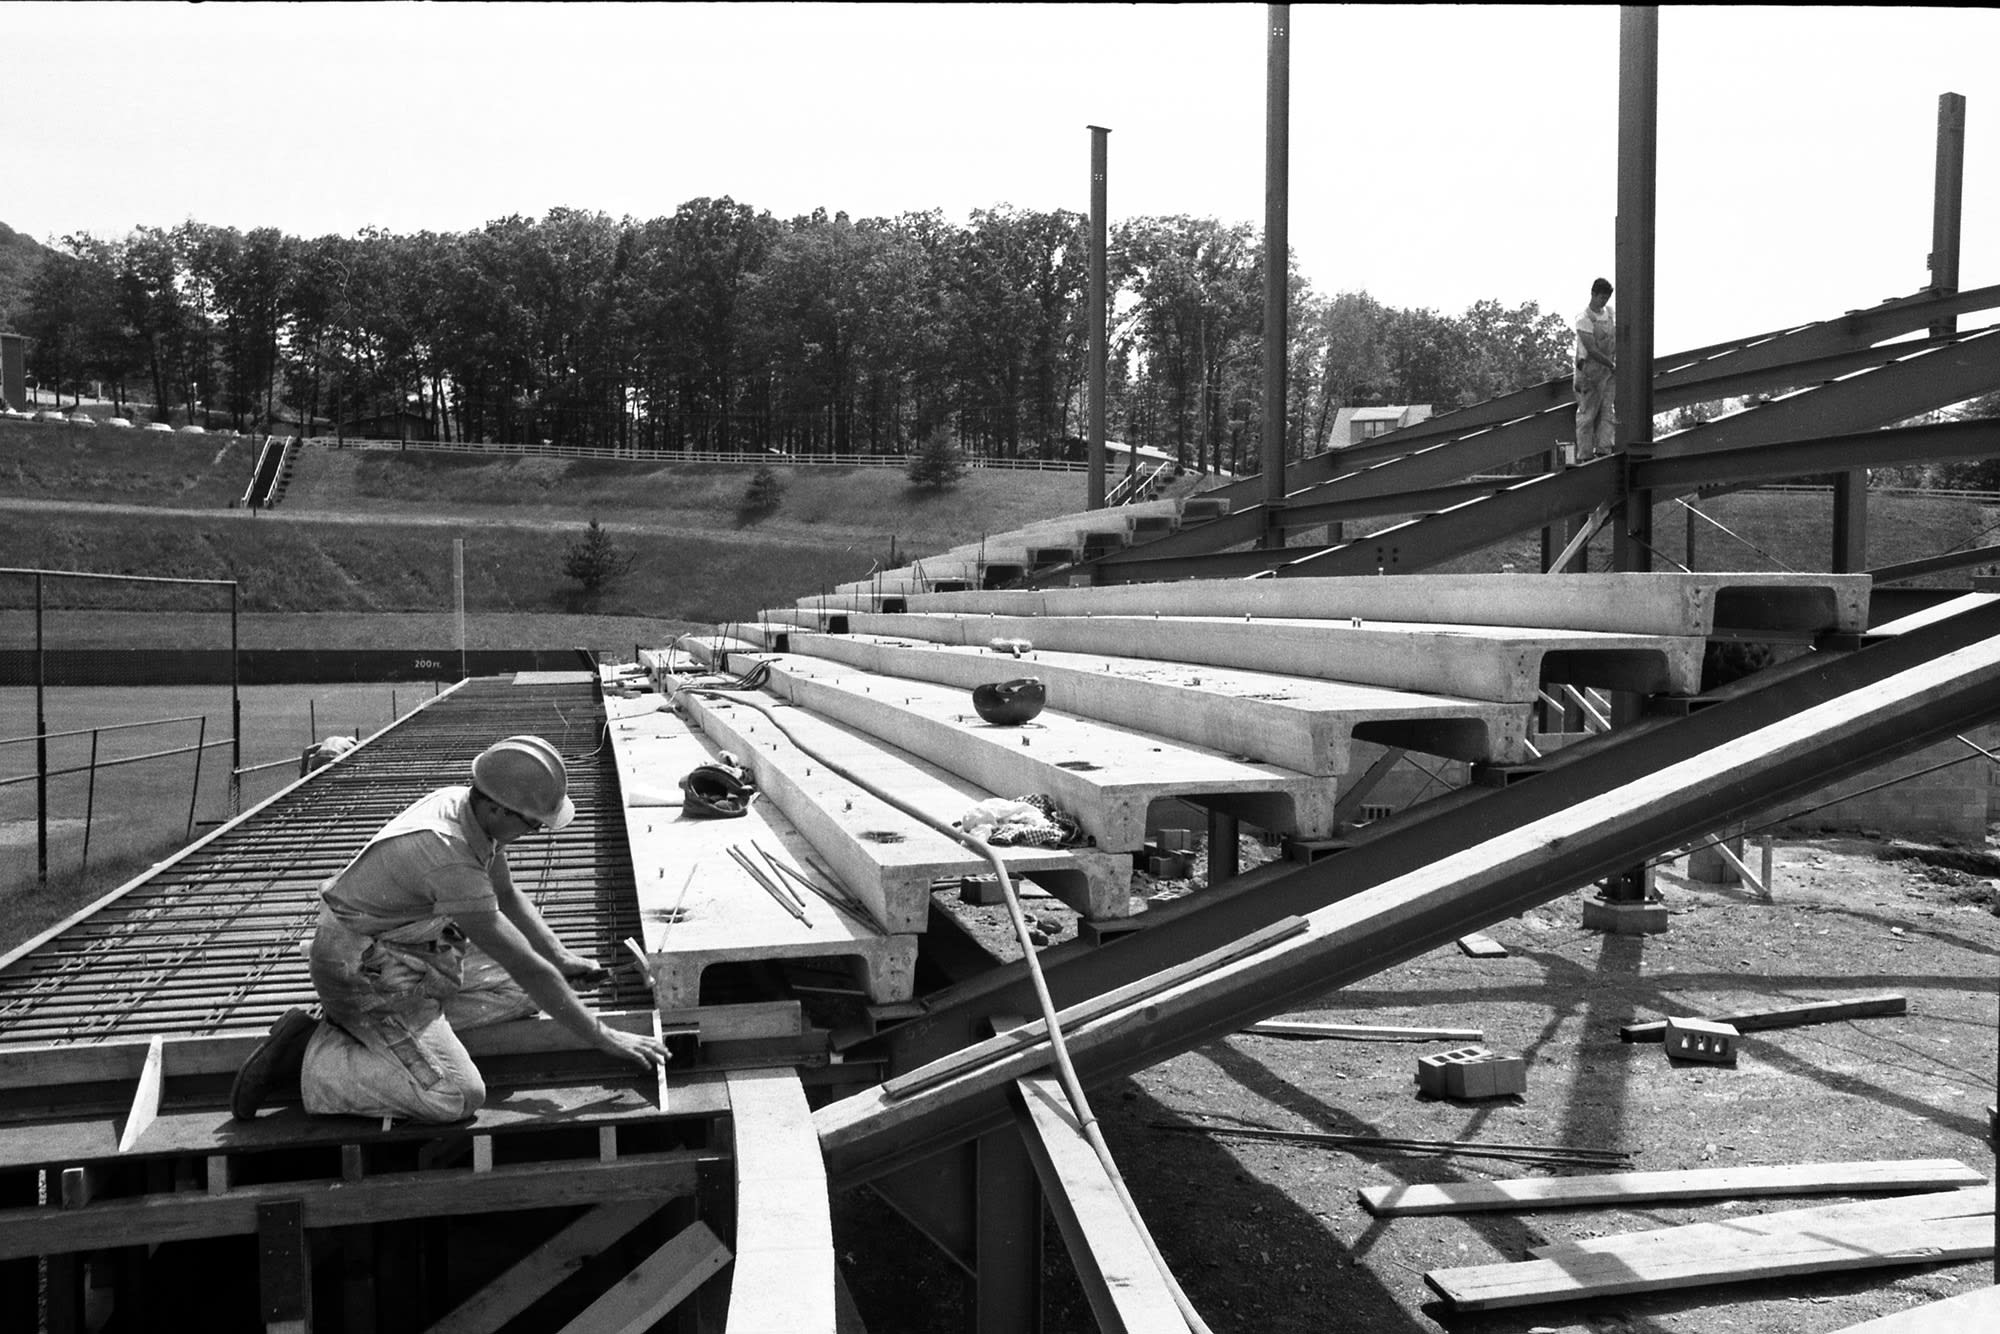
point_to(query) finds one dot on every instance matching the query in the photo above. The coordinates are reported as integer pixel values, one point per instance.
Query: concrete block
(1471, 1072)
(1177, 840)
(1624, 919)
(981, 891)
(1701, 1040)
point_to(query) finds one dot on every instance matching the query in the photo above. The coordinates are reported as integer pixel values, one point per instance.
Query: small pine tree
(763, 496)
(595, 561)
(937, 464)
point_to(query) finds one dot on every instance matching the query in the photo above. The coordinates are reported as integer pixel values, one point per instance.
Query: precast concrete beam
(888, 859)
(698, 905)
(1503, 664)
(1646, 604)
(1104, 777)
(1299, 722)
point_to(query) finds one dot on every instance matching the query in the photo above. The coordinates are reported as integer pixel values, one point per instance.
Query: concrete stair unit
(1499, 663)
(1304, 708)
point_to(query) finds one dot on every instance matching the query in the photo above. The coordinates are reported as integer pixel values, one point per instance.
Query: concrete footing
(1624, 919)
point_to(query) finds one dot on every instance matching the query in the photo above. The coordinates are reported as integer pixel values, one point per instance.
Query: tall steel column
(1099, 170)
(1948, 201)
(1623, 907)
(1638, 156)
(1277, 251)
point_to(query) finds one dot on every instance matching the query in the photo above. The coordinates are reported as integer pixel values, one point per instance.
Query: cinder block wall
(1955, 803)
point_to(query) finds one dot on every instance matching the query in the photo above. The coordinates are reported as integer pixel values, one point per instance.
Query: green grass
(133, 467)
(135, 810)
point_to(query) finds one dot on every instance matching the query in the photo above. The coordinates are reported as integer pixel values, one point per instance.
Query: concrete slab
(1298, 722)
(1487, 662)
(884, 857)
(1657, 604)
(1105, 776)
(697, 906)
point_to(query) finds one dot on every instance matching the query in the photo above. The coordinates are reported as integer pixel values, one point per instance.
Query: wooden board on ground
(1482, 946)
(1787, 1016)
(698, 906)
(1295, 1028)
(1967, 1203)
(1831, 1249)
(1705, 1183)
(1963, 1314)
(884, 857)
(1300, 722)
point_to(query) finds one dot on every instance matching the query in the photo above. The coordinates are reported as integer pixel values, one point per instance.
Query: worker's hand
(640, 1048)
(581, 973)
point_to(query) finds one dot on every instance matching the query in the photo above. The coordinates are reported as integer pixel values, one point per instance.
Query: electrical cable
(1058, 1048)
(1738, 536)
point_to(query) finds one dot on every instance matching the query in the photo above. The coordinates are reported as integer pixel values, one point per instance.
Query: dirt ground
(1270, 1237)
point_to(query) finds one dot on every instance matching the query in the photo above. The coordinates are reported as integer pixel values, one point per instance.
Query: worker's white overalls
(396, 993)
(1596, 388)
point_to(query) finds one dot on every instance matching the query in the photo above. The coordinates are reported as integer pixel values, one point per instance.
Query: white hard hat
(525, 774)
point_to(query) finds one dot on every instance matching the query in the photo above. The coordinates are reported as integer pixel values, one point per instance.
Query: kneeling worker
(424, 935)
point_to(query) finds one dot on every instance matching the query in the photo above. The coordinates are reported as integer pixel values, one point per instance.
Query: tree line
(724, 328)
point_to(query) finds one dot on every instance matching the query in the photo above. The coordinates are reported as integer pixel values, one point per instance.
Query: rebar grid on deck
(211, 943)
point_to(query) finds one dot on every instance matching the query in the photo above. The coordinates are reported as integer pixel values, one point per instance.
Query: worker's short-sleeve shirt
(433, 860)
(1601, 323)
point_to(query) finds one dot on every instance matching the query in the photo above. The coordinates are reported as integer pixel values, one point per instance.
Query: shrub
(763, 496)
(937, 464)
(595, 561)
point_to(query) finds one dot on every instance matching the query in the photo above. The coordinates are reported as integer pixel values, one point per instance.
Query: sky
(1439, 155)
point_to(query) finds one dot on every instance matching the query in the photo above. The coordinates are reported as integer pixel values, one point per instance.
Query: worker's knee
(455, 1101)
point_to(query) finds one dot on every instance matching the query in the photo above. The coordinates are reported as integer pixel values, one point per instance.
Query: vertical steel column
(41, 747)
(1638, 160)
(235, 722)
(1947, 201)
(1638, 155)
(1099, 187)
(1277, 267)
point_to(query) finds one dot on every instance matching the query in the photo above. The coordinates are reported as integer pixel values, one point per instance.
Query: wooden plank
(1788, 1016)
(185, 1215)
(662, 1281)
(541, 1269)
(1691, 1184)
(1963, 1314)
(1296, 1028)
(1835, 1249)
(783, 1282)
(1126, 1288)
(1015, 1039)
(1932, 1204)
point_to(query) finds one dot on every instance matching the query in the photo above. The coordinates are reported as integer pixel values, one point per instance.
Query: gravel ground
(1270, 1237)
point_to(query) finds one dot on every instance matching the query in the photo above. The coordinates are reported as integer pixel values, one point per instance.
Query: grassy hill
(360, 552)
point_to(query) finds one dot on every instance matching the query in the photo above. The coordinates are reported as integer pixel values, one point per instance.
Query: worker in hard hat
(422, 936)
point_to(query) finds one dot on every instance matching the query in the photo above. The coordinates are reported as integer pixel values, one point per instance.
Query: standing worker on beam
(424, 935)
(1595, 381)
